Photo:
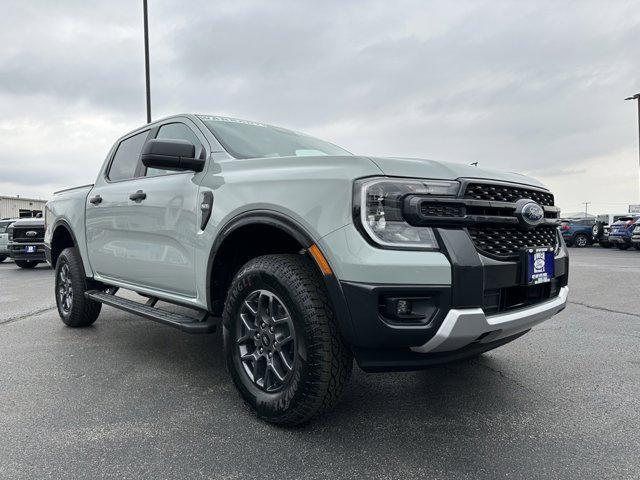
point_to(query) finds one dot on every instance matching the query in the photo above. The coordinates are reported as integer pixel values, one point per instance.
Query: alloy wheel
(65, 290)
(266, 340)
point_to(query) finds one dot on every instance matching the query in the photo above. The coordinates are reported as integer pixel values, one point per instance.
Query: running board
(206, 324)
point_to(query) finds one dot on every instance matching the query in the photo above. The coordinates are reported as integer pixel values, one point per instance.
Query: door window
(175, 131)
(126, 158)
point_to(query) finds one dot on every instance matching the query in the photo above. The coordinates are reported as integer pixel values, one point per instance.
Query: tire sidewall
(269, 405)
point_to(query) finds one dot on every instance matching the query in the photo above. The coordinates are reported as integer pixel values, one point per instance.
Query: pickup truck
(26, 242)
(305, 255)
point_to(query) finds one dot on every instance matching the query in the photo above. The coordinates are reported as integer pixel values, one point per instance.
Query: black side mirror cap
(165, 154)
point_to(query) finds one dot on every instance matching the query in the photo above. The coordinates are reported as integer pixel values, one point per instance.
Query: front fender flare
(297, 231)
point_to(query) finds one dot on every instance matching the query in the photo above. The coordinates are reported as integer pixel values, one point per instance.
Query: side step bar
(185, 323)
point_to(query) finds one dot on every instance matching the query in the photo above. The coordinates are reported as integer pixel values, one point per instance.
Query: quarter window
(126, 158)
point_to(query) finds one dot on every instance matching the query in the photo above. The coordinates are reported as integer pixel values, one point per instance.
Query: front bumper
(480, 303)
(635, 238)
(461, 327)
(17, 252)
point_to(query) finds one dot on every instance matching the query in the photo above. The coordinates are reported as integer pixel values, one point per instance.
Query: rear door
(109, 222)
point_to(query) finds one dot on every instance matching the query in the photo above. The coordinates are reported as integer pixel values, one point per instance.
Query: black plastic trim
(62, 223)
(467, 270)
(372, 329)
(399, 360)
(298, 232)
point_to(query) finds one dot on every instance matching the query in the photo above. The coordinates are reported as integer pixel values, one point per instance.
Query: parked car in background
(635, 235)
(622, 230)
(603, 226)
(26, 242)
(4, 238)
(577, 232)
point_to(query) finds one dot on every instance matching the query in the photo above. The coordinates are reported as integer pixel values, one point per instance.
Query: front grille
(508, 241)
(20, 234)
(518, 296)
(441, 210)
(506, 193)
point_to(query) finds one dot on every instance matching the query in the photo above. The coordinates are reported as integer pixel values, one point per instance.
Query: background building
(14, 207)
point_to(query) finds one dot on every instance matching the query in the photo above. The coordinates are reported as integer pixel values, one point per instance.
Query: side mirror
(178, 155)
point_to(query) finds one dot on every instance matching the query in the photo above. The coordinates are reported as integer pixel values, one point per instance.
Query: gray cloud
(533, 87)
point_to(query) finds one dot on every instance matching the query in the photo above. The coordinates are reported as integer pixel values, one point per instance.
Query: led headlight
(378, 210)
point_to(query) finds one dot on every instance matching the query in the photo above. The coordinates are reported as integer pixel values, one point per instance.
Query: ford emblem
(31, 233)
(529, 213)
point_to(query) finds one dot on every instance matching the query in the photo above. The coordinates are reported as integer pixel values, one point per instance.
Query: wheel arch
(62, 237)
(278, 233)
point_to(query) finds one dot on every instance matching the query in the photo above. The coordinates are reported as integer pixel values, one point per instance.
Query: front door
(142, 231)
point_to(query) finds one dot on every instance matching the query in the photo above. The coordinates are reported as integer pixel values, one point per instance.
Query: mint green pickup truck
(306, 256)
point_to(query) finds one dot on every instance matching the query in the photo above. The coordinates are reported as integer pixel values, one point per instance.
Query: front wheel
(622, 246)
(28, 264)
(282, 345)
(2, 258)
(74, 308)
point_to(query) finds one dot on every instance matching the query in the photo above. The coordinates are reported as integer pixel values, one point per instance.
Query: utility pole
(146, 58)
(586, 204)
(637, 97)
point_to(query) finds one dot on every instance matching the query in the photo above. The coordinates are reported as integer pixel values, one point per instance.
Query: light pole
(637, 97)
(146, 58)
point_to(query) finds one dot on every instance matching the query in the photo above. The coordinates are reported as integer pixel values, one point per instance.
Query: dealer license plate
(30, 249)
(540, 265)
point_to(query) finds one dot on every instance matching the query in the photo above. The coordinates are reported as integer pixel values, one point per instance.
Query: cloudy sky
(535, 87)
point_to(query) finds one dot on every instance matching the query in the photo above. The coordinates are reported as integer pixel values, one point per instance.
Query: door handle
(95, 200)
(138, 196)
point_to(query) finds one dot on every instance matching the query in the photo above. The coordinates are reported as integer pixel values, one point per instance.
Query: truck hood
(421, 168)
(29, 222)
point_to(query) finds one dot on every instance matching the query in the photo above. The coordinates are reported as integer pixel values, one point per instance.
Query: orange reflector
(320, 260)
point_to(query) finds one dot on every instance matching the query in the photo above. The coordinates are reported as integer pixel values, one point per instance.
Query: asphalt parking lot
(128, 398)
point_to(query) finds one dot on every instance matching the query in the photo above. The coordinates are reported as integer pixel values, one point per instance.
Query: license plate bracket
(538, 265)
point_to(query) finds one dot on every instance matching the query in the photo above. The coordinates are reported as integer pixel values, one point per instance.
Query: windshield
(245, 139)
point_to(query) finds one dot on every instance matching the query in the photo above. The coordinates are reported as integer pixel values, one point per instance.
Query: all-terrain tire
(323, 362)
(28, 264)
(70, 277)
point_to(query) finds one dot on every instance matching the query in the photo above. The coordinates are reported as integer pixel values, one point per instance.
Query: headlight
(377, 206)
(10, 233)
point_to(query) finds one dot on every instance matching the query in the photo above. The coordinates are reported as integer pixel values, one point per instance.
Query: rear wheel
(282, 345)
(26, 263)
(581, 240)
(74, 308)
